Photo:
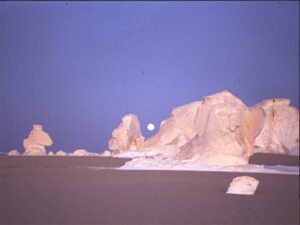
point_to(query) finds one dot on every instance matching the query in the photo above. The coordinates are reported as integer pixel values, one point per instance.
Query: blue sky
(78, 67)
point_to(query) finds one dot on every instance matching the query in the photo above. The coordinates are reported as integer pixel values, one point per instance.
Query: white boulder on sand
(13, 153)
(243, 185)
(127, 136)
(61, 153)
(280, 133)
(36, 141)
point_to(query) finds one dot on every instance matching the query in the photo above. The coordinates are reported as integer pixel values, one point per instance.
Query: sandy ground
(53, 194)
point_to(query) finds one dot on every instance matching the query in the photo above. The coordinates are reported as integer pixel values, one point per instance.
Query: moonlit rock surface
(225, 132)
(127, 136)
(13, 152)
(181, 127)
(61, 153)
(280, 133)
(80, 152)
(36, 141)
(106, 153)
(243, 185)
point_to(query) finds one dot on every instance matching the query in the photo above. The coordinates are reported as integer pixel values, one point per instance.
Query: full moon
(150, 126)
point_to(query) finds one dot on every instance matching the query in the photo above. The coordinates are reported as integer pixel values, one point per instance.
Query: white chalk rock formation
(127, 136)
(225, 131)
(280, 133)
(13, 153)
(50, 153)
(80, 152)
(61, 153)
(106, 153)
(36, 141)
(243, 185)
(180, 128)
(219, 130)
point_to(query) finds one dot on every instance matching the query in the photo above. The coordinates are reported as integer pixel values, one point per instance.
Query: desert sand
(67, 190)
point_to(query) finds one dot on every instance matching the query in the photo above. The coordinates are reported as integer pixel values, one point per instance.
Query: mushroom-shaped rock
(36, 141)
(106, 153)
(80, 152)
(127, 136)
(13, 153)
(61, 153)
(280, 132)
(226, 131)
(243, 185)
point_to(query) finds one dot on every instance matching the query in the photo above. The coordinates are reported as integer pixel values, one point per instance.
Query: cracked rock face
(36, 141)
(127, 136)
(280, 132)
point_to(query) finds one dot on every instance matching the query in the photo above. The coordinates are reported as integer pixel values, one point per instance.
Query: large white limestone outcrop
(36, 141)
(127, 136)
(280, 133)
(216, 131)
(243, 185)
(220, 130)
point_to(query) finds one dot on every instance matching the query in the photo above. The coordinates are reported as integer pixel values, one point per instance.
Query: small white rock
(14, 152)
(243, 185)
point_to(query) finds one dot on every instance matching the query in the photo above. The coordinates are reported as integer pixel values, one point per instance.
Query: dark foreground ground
(53, 194)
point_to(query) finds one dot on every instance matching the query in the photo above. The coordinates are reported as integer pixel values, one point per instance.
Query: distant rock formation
(127, 136)
(36, 141)
(243, 185)
(50, 153)
(61, 153)
(280, 133)
(13, 153)
(80, 152)
(106, 153)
